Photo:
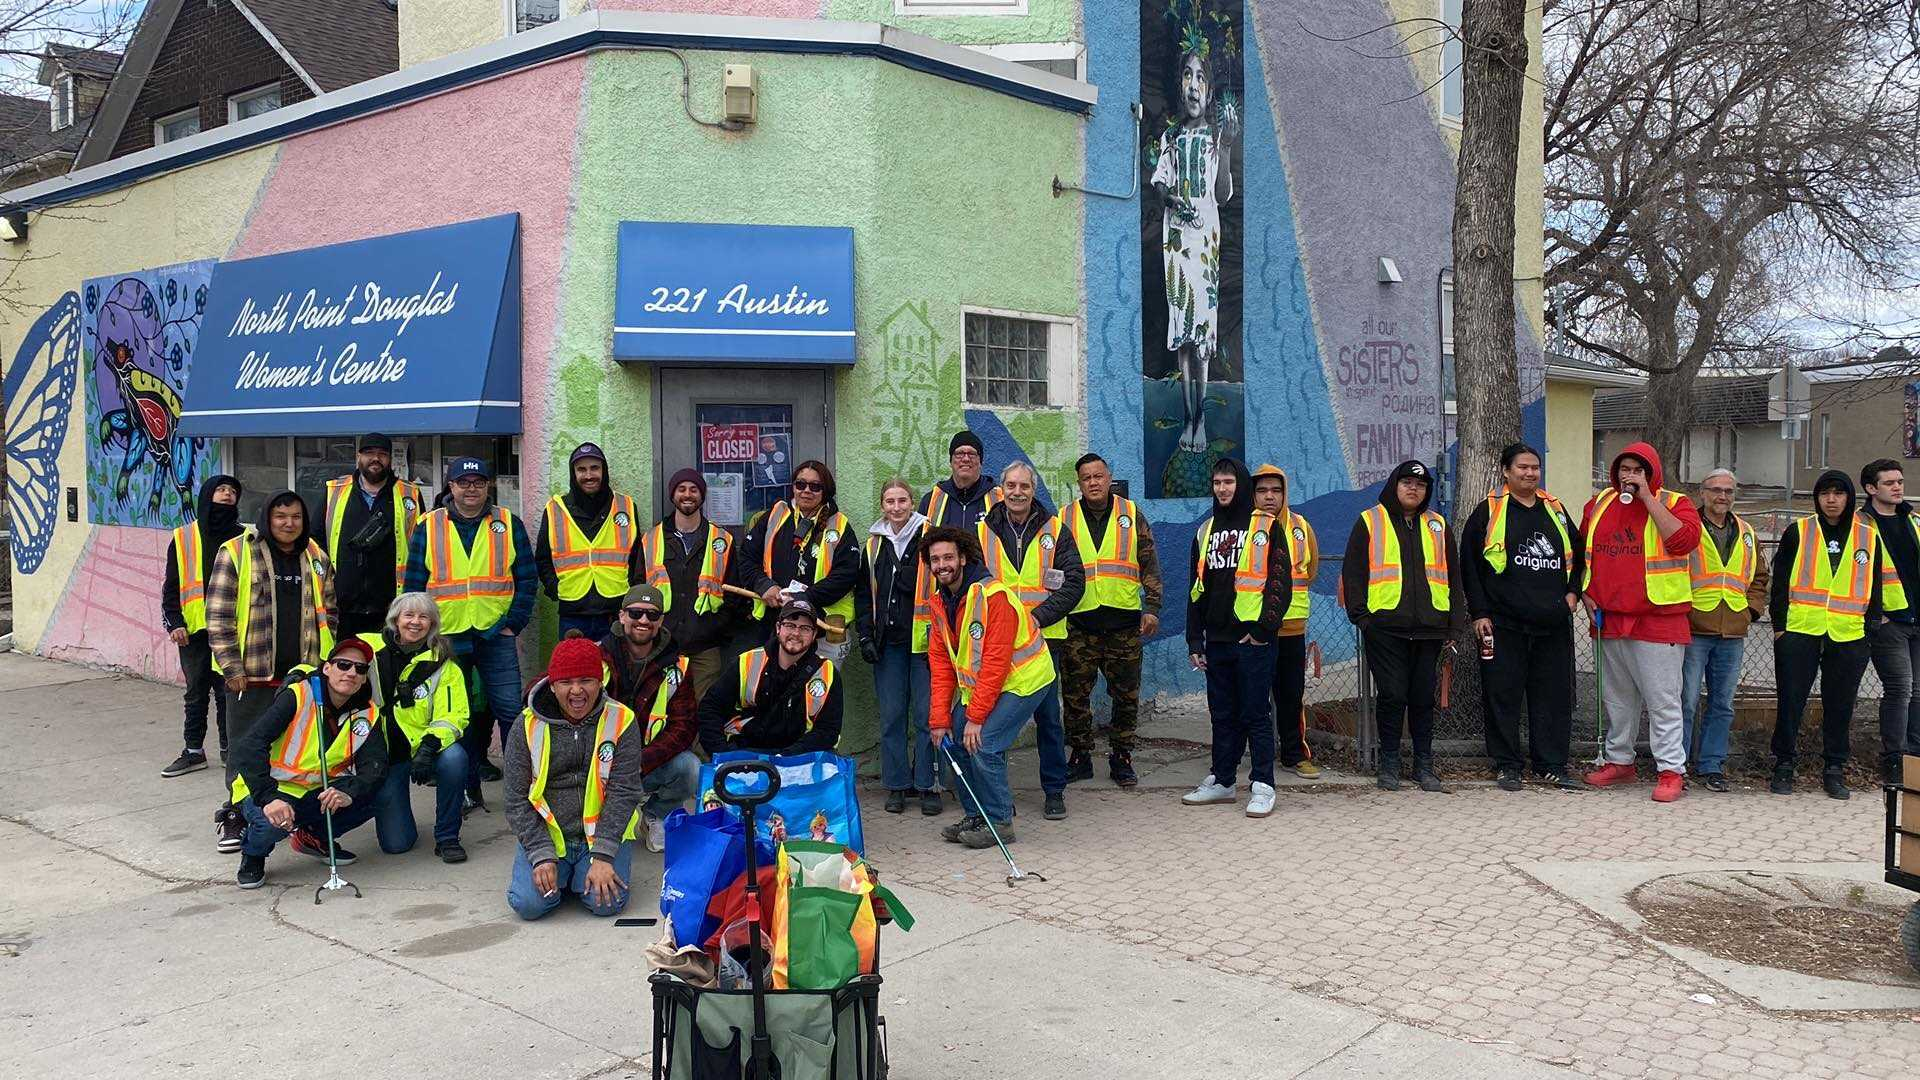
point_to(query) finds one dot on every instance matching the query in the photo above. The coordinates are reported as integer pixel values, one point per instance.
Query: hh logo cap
(468, 466)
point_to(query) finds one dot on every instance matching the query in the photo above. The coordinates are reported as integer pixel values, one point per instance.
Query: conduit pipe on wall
(686, 87)
(1060, 185)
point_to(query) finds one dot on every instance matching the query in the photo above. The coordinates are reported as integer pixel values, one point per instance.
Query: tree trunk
(1486, 375)
(1669, 415)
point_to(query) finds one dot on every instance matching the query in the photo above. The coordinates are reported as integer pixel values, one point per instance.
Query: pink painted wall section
(765, 9)
(467, 154)
(110, 614)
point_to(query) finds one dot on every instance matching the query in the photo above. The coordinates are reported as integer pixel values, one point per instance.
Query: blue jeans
(593, 625)
(1717, 660)
(903, 685)
(496, 662)
(527, 902)
(262, 834)
(1239, 682)
(672, 784)
(1050, 730)
(986, 768)
(393, 809)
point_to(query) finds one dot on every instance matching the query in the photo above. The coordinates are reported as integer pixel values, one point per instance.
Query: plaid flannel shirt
(253, 658)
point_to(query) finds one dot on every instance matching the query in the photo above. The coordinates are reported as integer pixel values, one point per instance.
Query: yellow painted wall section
(179, 217)
(430, 29)
(1570, 441)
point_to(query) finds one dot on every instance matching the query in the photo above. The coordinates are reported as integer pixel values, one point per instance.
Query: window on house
(1018, 360)
(176, 126)
(252, 103)
(523, 15)
(62, 99)
(1451, 57)
(1826, 435)
(1066, 59)
(1447, 394)
(959, 7)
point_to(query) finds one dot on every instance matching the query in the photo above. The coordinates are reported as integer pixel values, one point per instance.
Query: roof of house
(26, 131)
(1564, 368)
(1723, 402)
(100, 62)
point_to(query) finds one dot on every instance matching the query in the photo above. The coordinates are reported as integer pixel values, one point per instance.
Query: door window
(746, 454)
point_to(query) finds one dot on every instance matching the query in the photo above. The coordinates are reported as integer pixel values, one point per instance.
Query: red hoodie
(1618, 563)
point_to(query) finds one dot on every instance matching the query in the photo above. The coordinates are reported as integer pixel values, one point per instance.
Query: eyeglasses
(642, 614)
(354, 666)
(965, 455)
(809, 485)
(1718, 491)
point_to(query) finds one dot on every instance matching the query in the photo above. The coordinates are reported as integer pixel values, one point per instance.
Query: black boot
(1079, 766)
(1387, 778)
(1782, 782)
(1120, 766)
(1424, 775)
(1835, 781)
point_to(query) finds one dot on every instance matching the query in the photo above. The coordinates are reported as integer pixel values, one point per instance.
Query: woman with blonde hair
(895, 644)
(421, 697)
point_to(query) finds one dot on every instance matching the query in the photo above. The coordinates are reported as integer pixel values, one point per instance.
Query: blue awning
(753, 294)
(417, 333)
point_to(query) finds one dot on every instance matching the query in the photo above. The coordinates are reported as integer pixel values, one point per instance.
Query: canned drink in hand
(1626, 496)
(1486, 646)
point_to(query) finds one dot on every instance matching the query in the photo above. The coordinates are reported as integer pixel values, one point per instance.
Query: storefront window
(497, 451)
(316, 461)
(746, 454)
(261, 465)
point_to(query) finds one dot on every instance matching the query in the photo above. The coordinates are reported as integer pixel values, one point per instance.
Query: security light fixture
(740, 94)
(13, 226)
(1389, 271)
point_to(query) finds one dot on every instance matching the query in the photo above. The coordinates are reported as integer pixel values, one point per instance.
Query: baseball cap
(644, 594)
(468, 466)
(799, 609)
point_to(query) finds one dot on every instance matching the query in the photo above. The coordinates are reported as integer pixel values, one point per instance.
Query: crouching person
(313, 751)
(422, 698)
(572, 764)
(646, 671)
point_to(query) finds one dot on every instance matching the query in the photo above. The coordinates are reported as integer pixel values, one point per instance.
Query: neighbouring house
(1730, 430)
(39, 137)
(1571, 386)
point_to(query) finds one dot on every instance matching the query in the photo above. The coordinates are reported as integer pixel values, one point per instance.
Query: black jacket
(883, 603)
(1414, 617)
(253, 747)
(692, 632)
(1066, 559)
(218, 524)
(1789, 549)
(790, 563)
(1211, 618)
(363, 573)
(590, 513)
(777, 721)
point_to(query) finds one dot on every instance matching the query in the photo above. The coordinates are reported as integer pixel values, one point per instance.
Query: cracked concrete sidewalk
(126, 951)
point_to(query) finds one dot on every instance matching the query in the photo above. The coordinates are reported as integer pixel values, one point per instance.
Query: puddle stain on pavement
(465, 939)
(419, 912)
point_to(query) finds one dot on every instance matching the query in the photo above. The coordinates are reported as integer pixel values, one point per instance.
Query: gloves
(423, 758)
(869, 651)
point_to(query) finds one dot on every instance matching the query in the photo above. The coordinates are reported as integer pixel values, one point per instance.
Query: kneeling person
(572, 763)
(421, 696)
(782, 699)
(646, 671)
(283, 787)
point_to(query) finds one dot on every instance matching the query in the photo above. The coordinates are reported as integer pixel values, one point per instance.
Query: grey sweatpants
(1638, 675)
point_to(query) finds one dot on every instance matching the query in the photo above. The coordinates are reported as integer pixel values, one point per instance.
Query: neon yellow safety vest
(714, 562)
(407, 510)
(437, 704)
(615, 719)
(826, 539)
(1386, 570)
(1028, 581)
(1893, 594)
(472, 586)
(1823, 602)
(1716, 582)
(1668, 581)
(752, 665)
(1494, 549)
(1250, 573)
(922, 588)
(193, 581)
(1031, 666)
(1113, 565)
(294, 758)
(598, 564)
(1303, 556)
(240, 551)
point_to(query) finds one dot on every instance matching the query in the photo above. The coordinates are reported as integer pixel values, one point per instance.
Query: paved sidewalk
(126, 951)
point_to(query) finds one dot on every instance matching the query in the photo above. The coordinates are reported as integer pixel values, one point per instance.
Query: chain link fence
(1340, 707)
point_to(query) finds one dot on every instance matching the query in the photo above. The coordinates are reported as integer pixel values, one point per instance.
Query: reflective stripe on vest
(1386, 569)
(715, 559)
(1494, 548)
(1027, 581)
(615, 719)
(473, 587)
(669, 683)
(1893, 593)
(1030, 668)
(1300, 556)
(1822, 602)
(752, 665)
(240, 552)
(1715, 582)
(193, 580)
(294, 758)
(826, 535)
(438, 707)
(1668, 581)
(922, 588)
(937, 500)
(598, 564)
(1250, 571)
(1112, 565)
(406, 514)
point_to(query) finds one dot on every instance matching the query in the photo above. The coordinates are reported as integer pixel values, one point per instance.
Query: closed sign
(725, 443)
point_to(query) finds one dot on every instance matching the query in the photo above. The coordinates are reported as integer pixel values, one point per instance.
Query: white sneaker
(1259, 800)
(657, 833)
(1208, 792)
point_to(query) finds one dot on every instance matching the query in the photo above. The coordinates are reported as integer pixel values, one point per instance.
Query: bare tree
(1493, 37)
(1705, 156)
(28, 28)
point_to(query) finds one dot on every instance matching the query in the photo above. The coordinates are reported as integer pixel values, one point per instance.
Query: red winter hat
(574, 658)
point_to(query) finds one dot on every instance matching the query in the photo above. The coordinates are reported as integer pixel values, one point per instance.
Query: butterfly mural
(39, 392)
(141, 331)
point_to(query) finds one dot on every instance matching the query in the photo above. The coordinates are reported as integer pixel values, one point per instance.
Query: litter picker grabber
(1599, 694)
(334, 882)
(1014, 873)
(762, 1066)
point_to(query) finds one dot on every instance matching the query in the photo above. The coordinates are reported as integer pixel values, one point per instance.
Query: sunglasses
(809, 485)
(641, 614)
(354, 666)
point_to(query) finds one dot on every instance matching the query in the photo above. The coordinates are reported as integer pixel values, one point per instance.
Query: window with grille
(1007, 360)
(528, 14)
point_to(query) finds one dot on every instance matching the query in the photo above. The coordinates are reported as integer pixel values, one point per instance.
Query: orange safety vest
(1113, 565)
(193, 581)
(1715, 582)
(752, 665)
(715, 559)
(597, 564)
(1249, 575)
(294, 758)
(615, 719)
(473, 587)
(922, 587)
(1027, 581)
(1030, 669)
(1668, 580)
(827, 533)
(1832, 602)
(1386, 563)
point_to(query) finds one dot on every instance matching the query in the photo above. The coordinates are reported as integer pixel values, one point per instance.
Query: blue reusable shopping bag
(706, 854)
(816, 801)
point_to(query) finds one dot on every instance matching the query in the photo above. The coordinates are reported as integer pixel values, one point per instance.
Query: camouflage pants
(1086, 657)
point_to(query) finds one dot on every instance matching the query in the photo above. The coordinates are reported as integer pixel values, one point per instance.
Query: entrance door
(744, 429)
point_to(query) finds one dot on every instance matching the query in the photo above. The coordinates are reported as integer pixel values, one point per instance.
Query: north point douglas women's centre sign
(415, 333)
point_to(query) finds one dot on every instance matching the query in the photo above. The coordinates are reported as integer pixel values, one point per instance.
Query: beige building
(1858, 416)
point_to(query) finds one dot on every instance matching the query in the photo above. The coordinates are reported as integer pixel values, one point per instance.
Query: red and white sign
(723, 444)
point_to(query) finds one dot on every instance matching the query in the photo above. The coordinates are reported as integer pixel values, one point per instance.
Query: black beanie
(965, 438)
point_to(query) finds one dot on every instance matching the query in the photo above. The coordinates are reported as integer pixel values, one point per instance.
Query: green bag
(825, 931)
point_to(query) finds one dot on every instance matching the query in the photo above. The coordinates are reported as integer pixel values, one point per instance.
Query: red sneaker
(1669, 787)
(1608, 775)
